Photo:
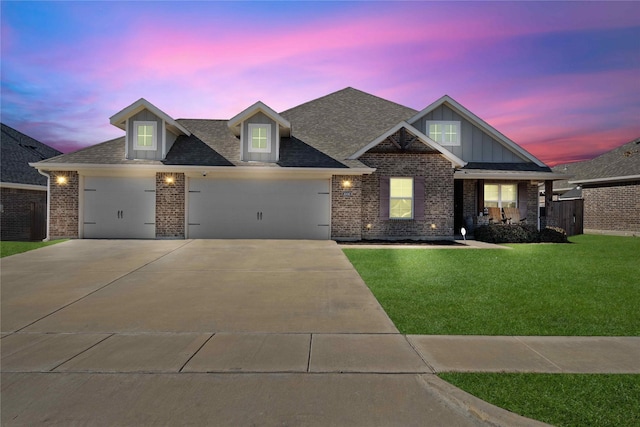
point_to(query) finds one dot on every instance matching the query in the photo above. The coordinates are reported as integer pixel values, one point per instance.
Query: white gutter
(46, 238)
(227, 170)
(604, 180)
(20, 186)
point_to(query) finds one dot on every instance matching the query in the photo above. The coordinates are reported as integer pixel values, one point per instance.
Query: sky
(561, 79)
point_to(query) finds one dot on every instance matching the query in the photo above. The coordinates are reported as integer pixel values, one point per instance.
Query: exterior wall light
(169, 179)
(61, 180)
(346, 184)
(433, 226)
(368, 226)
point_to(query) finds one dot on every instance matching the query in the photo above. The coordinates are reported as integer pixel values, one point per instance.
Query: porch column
(548, 204)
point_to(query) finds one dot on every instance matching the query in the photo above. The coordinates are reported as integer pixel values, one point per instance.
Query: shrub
(519, 233)
(553, 235)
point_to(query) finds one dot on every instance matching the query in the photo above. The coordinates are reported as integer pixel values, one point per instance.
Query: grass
(589, 287)
(559, 399)
(12, 248)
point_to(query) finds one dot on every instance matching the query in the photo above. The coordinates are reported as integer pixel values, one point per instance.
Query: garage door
(258, 209)
(119, 208)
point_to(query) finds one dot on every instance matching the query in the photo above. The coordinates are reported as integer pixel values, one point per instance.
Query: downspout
(46, 239)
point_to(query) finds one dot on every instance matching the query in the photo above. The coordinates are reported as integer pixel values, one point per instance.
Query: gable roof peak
(120, 118)
(259, 106)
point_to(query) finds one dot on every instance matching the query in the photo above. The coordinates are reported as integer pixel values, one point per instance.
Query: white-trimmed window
(145, 135)
(444, 132)
(259, 138)
(401, 198)
(501, 195)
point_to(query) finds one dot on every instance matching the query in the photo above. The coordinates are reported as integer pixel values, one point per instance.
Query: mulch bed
(404, 242)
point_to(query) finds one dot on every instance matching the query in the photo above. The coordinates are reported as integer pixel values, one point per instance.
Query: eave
(455, 160)
(236, 121)
(508, 175)
(120, 119)
(20, 186)
(605, 180)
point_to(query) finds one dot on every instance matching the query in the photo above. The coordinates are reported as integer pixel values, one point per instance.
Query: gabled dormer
(260, 129)
(150, 132)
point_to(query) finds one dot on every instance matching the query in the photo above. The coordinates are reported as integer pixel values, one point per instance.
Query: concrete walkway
(240, 333)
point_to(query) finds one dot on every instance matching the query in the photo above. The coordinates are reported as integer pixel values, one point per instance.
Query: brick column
(346, 207)
(170, 206)
(63, 221)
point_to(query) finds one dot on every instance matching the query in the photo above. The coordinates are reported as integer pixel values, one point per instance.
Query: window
(145, 135)
(444, 133)
(500, 195)
(401, 198)
(259, 138)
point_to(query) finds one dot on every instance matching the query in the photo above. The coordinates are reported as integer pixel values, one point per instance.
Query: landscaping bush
(506, 233)
(519, 233)
(553, 235)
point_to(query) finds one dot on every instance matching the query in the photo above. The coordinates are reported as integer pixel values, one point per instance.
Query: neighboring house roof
(620, 164)
(18, 150)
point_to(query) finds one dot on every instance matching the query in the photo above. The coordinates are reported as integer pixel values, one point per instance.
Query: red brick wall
(614, 208)
(64, 206)
(437, 222)
(170, 202)
(15, 215)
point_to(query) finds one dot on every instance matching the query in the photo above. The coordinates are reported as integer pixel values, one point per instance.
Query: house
(23, 197)
(609, 185)
(346, 166)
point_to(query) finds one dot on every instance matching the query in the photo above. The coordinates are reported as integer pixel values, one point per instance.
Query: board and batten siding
(260, 118)
(475, 144)
(147, 116)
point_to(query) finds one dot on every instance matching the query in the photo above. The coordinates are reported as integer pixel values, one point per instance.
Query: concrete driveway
(205, 332)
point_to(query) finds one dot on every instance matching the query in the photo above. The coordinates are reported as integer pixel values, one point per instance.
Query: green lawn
(589, 287)
(12, 248)
(561, 400)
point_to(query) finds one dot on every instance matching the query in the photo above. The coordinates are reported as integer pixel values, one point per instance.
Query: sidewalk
(468, 353)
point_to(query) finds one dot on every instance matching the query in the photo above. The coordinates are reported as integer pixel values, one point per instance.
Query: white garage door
(119, 208)
(258, 209)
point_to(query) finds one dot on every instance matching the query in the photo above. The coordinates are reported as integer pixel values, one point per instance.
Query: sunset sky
(562, 79)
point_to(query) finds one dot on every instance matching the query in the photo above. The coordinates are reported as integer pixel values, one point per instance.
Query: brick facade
(63, 222)
(18, 206)
(613, 209)
(346, 207)
(437, 222)
(170, 206)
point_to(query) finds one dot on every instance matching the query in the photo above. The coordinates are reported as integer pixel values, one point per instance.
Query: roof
(486, 127)
(18, 150)
(328, 132)
(120, 118)
(234, 122)
(620, 164)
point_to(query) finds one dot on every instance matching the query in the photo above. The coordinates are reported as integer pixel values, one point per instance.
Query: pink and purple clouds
(560, 78)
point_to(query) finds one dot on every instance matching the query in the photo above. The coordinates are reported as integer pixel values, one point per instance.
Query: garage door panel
(119, 208)
(259, 209)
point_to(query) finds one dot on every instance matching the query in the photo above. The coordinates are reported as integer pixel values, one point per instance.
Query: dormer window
(259, 138)
(145, 135)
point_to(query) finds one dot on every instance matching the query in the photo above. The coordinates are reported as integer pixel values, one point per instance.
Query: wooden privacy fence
(567, 214)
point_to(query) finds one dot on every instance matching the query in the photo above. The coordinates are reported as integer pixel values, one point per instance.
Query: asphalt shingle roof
(17, 151)
(619, 162)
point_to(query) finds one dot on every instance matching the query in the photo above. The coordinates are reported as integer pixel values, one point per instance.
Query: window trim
(441, 139)
(250, 147)
(413, 197)
(500, 201)
(154, 144)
